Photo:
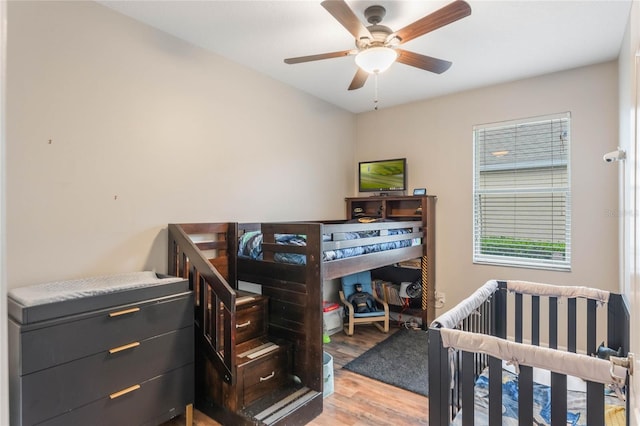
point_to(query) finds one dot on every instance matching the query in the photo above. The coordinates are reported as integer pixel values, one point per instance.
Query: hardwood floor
(356, 400)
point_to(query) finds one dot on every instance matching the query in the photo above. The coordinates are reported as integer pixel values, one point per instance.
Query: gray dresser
(116, 354)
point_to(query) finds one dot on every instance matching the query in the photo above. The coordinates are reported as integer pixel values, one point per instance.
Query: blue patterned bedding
(576, 401)
(250, 245)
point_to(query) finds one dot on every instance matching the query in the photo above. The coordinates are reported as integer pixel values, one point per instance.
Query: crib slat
(595, 403)
(518, 312)
(488, 329)
(525, 395)
(456, 402)
(468, 379)
(553, 322)
(558, 399)
(571, 325)
(484, 318)
(499, 320)
(495, 391)
(591, 327)
(535, 320)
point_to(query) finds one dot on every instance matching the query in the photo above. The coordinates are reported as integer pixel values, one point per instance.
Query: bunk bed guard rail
(211, 289)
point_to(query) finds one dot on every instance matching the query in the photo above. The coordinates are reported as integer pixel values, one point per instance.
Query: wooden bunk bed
(208, 255)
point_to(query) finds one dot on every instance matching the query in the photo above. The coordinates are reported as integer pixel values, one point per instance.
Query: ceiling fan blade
(441, 17)
(359, 79)
(319, 57)
(424, 62)
(343, 14)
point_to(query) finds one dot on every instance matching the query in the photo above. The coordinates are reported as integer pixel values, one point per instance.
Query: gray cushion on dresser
(54, 299)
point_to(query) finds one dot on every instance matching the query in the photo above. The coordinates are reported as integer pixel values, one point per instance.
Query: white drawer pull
(124, 391)
(123, 312)
(270, 376)
(124, 347)
(244, 324)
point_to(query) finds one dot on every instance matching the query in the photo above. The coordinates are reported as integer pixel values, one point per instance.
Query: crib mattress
(42, 302)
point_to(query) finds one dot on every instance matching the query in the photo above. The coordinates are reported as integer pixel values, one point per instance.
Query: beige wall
(147, 130)
(4, 356)
(180, 135)
(436, 138)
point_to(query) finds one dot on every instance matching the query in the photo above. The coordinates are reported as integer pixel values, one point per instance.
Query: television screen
(383, 175)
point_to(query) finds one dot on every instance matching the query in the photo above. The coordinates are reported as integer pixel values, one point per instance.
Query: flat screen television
(383, 175)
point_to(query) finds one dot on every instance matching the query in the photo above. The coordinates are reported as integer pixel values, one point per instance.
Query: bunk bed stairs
(253, 382)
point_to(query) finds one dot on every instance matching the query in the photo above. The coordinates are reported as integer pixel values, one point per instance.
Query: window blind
(522, 193)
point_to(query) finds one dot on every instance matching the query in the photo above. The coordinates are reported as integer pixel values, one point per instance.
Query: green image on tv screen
(382, 175)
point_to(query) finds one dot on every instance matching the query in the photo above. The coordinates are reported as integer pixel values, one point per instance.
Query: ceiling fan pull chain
(375, 92)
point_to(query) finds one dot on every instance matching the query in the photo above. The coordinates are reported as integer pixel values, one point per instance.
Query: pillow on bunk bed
(250, 245)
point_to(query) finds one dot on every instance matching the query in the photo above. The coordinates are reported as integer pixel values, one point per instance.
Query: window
(522, 193)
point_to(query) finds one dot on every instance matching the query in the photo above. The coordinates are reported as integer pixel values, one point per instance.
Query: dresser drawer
(251, 319)
(264, 374)
(66, 339)
(170, 392)
(61, 388)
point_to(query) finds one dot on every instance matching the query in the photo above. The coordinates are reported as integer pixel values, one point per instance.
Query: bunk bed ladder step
(286, 406)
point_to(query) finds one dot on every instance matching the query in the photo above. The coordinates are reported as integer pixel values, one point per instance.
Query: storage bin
(332, 317)
(327, 374)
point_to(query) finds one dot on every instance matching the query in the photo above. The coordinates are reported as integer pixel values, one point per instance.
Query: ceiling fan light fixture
(376, 59)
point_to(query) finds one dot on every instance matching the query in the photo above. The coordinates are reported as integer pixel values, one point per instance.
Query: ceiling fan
(377, 45)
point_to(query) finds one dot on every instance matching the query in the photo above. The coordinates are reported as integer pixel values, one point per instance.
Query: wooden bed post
(499, 311)
(439, 379)
(617, 324)
(428, 263)
(427, 301)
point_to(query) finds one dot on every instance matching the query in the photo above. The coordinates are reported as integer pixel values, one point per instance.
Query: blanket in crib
(576, 402)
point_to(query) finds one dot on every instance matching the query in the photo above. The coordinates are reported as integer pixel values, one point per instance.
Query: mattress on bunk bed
(250, 245)
(50, 300)
(576, 400)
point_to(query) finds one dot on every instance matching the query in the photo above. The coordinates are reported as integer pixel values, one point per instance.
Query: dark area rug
(399, 360)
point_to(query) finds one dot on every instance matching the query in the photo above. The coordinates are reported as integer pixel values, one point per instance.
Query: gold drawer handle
(124, 391)
(270, 376)
(123, 312)
(243, 324)
(124, 347)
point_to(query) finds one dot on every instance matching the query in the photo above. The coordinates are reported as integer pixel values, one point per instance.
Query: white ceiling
(500, 41)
